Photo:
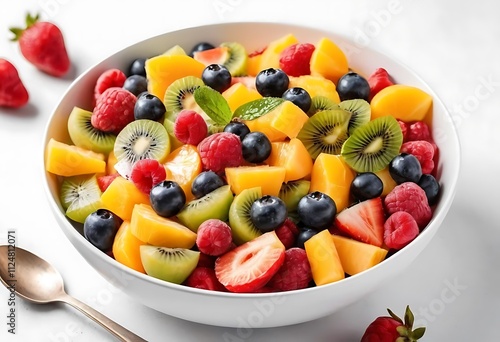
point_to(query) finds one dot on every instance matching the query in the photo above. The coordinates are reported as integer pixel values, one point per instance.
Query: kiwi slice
(242, 228)
(325, 132)
(373, 145)
(360, 112)
(84, 135)
(179, 96)
(292, 192)
(214, 205)
(237, 61)
(80, 196)
(320, 103)
(170, 264)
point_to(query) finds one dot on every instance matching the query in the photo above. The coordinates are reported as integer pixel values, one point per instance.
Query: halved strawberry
(363, 221)
(249, 267)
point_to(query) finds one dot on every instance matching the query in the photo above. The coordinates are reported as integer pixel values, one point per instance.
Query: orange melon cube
(239, 94)
(324, 259)
(387, 180)
(110, 165)
(316, 86)
(182, 166)
(126, 248)
(356, 256)
(270, 58)
(293, 156)
(70, 160)
(121, 196)
(254, 63)
(328, 61)
(268, 178)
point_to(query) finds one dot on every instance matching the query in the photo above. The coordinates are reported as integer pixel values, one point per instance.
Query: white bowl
(251, 310)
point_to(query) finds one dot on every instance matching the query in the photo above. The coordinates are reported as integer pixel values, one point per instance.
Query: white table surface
(454, 46)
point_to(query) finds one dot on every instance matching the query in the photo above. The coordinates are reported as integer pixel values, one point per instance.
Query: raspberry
(114, 110)
(295, 59)
(399, 230)
(109, 78)
(206, 260)
(419, 131)
(214, 237)
(294, 274)
(404, 129)
(411, 198)
(287, 233)
(105, 181)
(190, 127)
(424, 151)
(379, 80)
(220, 150)
(204, 278)
(146, 173)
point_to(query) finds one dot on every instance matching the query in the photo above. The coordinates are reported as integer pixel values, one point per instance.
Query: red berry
(287, 233)
(206, 260)
(146, 173)
(399, 230)
(13, 94)
(295, 59)
(204, 278)
(379, 80)
(294, 274)
(419, 131)
(404, 129)
(105, 181)
(114, 110)
(423, 151)
(220, 150)
(411, 198)
(214, 237)
(190, 127)
(108, 79)
(42, 44)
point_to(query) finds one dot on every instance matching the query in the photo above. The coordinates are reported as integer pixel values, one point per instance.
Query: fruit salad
(249, 171)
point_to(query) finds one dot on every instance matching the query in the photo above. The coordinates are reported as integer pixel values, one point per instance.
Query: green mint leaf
(255, 109)
(213, 104)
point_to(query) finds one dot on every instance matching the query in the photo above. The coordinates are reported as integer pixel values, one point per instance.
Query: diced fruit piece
(175, 50)
(324, 260)
(293, 156)
(328, 60)
(239, 94)
(268, 178)
(126, 248)
(254, 62)
(242, 227)
(170, 264)
(70, 160)
(406, 103)
(110, 164)
(214, 205)
(250, 266)
(105, 181)
(182, 166)
(155, 230)
(294, 274)
(356, 256)
(270, 58)
(386, 178)
(316, 86)
(121, 196)
(217, 55)
(80, 196)
(295, 59)
(363, 221)
(332, 176)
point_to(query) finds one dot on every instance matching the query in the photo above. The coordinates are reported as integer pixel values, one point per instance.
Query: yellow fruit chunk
(293, 156)
(387, 180)
(316, 86)
(324, 260)
(155, 230)
(110, 165)
(332, 176)
(163, 70)
(175, 50)
(70, 160)
(121, 196)
(239, 94)
(126, 248)
(268, 178)
(406, 103)
(254, 63)
(182, 166)
(328, 60)
(357, 256)
(270, 58)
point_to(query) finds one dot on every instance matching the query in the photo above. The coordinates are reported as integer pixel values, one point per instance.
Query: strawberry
(251, 265)
(393, 329)
(42, 44)
(13, 94)
(378, 81)
(295, 59)
(363, 221)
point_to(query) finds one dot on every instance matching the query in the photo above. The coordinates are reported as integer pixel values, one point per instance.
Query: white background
(454, 46)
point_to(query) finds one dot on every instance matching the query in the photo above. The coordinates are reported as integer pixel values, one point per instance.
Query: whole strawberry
(393, 329)
(13, 94)
(42, 44)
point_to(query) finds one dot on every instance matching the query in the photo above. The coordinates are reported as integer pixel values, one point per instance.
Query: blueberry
(167, 198)
(206, 182)
(238, 128)
(100, 229)
(366, 185)
(149, 106)
(256, 147)
(405, 167)
(353, 86)
(317, 210)
(304, 235)
(137, 67)
(268, 213)
(431, 187)
(201, 47)
(272, 82)
(136, 84)
(217, 77)
(299, 97)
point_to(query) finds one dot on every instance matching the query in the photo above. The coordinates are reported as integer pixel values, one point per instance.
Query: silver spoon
(36, 280)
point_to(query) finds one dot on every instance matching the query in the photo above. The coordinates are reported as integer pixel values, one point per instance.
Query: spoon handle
(111, 326)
